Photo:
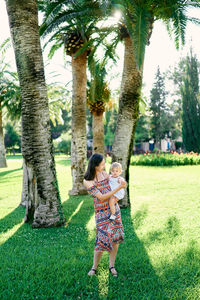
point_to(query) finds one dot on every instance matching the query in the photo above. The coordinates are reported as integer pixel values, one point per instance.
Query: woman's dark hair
(94, 161)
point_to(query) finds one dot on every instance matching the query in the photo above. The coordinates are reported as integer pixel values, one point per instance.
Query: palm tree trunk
(3, 163)
(78, 142)
(24, 195)
(128, 113)
(43, 207)
(127, 175)
(98, 133)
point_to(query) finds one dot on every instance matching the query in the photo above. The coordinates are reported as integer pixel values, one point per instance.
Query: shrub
(166, 159)
(64, 147)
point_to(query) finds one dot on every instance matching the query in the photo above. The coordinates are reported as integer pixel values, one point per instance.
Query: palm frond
(5, 45)
(84, 11)
(98, 92)
(179, 22)
(194, 20)
(54, 48)
(138, 22)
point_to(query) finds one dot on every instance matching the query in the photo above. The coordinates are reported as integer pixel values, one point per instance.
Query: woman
(109, 233)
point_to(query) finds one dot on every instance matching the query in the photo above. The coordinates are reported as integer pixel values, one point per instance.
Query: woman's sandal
(113, 274)
(94, 270)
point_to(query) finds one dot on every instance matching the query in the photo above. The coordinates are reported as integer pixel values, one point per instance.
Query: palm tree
(68, 25)
(44, 207)
(56, 104)
(136, 27)
(98, 96)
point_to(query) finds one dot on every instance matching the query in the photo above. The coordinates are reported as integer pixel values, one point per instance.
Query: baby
(114, 180)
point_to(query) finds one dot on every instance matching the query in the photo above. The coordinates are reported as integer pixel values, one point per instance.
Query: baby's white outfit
(113, 181)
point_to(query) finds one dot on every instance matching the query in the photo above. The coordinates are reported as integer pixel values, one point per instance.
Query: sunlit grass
(160, 258)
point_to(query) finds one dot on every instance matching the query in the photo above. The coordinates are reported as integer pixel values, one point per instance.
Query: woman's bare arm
(99, 195)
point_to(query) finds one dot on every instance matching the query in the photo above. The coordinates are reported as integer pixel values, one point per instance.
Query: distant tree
(58, 128)
(142, 129)
(191, 105)
(176, 75)
(59, 109)
(9, 96)
(110, 125)
(174, 118)
(158, 108)
(11, 138)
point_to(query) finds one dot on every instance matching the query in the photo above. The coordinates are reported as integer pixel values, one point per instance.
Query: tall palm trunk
(98, 133)
(24, 195)
(128, 113)
(43, 207)
(3, 163)
(78, 142)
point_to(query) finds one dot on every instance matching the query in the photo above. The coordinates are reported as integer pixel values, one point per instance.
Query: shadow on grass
(181, 277)
(12, 219)
(4, 173)
(140, 216)
(170, 231)
(50, 263)
(137, 277)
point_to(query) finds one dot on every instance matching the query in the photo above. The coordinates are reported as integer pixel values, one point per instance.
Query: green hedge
(166, 159)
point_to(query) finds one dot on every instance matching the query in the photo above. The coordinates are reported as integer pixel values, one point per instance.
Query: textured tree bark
(98, 133)
(78, 142)
(128, 113)
(43, 207)
(24, 195)
(3, 163)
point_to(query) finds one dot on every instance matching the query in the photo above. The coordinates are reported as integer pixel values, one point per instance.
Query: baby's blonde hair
(116, 165)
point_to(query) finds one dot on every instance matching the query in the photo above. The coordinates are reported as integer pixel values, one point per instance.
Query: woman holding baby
(107, 212)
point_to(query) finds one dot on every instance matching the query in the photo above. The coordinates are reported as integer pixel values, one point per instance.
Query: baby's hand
(120, 179)
(123, 183)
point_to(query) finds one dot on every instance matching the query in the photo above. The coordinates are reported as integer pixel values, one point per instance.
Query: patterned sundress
(108, 232)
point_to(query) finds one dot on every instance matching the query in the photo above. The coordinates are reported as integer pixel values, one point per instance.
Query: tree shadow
(4, 173)
(140, 216)
(57, 258)
(52, 263)
(137, 277)
(12, 219)
(182, 275)
(170, 231)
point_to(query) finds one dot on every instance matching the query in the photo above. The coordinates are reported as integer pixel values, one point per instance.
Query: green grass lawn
(160, 258)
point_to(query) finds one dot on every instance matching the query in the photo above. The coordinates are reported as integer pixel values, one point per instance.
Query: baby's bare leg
(112, 202)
